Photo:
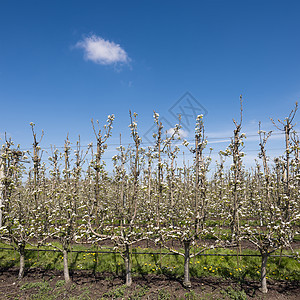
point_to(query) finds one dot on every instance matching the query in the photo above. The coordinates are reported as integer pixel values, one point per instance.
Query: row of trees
(151, 196)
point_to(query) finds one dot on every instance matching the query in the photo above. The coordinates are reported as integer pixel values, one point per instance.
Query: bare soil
(48, 284)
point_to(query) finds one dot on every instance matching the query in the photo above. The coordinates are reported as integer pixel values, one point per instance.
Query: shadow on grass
(73, 262)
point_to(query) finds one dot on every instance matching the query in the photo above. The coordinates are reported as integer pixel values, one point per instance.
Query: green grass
(171, 265)
(39, 290)
(234, 294)
(43, 291)
(116, 292)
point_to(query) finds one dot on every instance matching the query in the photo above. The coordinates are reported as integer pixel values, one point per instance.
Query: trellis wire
(150, 253)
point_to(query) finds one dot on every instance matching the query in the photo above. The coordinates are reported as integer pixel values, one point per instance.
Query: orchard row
(156, 198)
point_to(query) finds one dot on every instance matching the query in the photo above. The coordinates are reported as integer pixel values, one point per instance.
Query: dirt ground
(49, 284)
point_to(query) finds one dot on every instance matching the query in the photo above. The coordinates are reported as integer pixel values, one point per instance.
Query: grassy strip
(201, 266)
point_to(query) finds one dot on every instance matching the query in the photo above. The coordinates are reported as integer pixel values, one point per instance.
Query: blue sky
(65, 62)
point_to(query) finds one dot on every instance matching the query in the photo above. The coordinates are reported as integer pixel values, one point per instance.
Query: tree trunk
(0, 202)
(186, 281)
(1, 188)
(127, 266)
(66, 267)
(264, 259)
(22, 262)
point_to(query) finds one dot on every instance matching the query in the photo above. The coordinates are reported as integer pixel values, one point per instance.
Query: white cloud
(101, 51)
(182, 133)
